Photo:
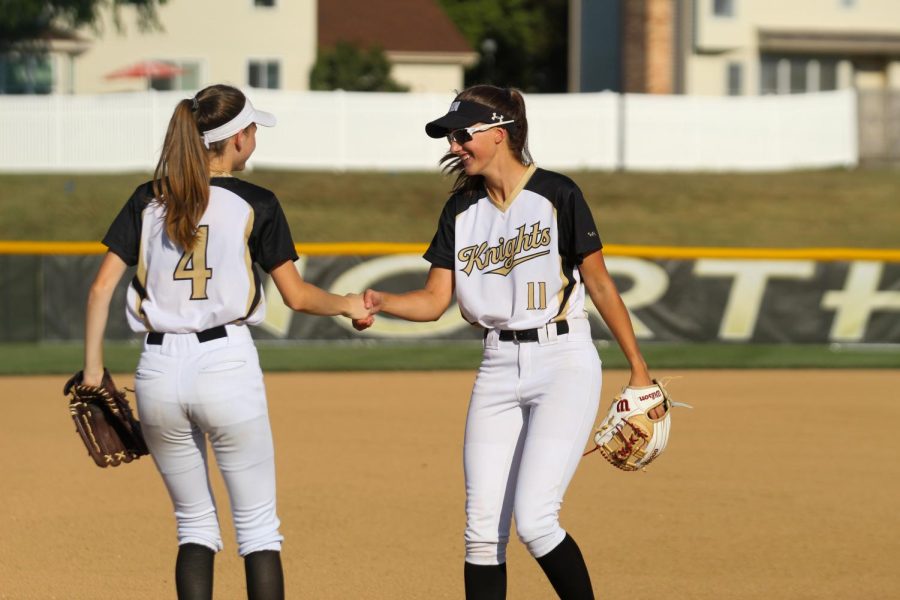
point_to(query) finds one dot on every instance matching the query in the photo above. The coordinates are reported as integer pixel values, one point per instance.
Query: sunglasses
(461, 136)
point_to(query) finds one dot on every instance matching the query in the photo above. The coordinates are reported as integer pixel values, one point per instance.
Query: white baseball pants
(532, 409)
(188, 391)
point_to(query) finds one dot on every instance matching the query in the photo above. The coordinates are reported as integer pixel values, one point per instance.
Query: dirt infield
(774, 486)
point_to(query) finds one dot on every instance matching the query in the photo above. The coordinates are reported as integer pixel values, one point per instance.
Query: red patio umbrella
(147, 69)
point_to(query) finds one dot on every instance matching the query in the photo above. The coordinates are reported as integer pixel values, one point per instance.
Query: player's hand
(640, 374)
(640, 380)
(374, 301)
(640, 377)
(92, 377)
(356, 308)
(363, 324)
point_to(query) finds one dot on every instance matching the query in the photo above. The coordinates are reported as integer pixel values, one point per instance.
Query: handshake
(363, 308)
(420, 305)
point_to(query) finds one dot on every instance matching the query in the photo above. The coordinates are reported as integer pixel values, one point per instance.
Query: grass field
(61, 359)
(833, 208)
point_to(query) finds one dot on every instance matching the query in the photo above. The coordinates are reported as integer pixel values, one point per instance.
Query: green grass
(61, 359)
(831, 208)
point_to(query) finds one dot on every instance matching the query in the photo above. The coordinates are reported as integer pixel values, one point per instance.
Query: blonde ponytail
(181, 179)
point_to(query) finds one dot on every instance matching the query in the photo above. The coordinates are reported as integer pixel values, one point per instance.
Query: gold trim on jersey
(504, 206)
(563, 308)
(140, 276)
(248, 261)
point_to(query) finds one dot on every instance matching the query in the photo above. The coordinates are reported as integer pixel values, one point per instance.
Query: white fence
(380, 131)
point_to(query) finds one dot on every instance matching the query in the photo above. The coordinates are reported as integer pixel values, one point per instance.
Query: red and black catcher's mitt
(104, 420)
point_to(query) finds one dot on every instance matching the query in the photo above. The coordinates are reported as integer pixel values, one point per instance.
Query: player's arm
(108, 276)
(305, 297)
(602, 290)
(426, 304)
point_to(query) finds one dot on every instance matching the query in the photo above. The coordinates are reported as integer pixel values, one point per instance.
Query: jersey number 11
(537, 299)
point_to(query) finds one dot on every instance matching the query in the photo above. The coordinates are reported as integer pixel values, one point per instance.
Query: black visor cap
(462, 114)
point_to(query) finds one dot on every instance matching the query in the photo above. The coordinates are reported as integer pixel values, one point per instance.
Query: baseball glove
(629, 438)
(104, 420)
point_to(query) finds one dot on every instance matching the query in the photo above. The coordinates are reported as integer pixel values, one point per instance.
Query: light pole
(488, 51)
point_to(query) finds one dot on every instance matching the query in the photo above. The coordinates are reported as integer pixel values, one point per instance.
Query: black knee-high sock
(265, 578)
(485, 582)
(565, 568)
(194, 572)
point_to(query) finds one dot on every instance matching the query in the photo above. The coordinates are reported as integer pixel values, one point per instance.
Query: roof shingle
(394, 25)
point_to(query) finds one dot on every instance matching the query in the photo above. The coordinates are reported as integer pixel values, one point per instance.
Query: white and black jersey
(215, 283)
(516, 265)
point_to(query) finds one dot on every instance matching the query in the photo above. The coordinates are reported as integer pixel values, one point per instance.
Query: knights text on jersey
(516, 265)
(215, 283)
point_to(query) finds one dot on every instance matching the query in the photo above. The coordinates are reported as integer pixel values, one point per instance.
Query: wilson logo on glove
(651, 396)
(629, 439)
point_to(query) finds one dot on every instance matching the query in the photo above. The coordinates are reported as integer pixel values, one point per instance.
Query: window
(723, 8)
(264, 3)
(188, 79)
(827, 74)
(264, 74)
(25, 74)
(768, 75)
(735, 75)
(797, 74)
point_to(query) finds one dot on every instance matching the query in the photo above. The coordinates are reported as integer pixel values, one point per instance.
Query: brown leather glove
(104, 420)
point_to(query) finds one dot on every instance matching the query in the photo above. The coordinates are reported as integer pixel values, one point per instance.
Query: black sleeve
(442, 249)
(578, 233)
(124, 235)
(270, 241)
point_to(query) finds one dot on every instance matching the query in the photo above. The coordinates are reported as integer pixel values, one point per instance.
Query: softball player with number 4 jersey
(519, 247)
(194, 233)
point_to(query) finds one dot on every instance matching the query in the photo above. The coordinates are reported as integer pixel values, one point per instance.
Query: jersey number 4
(192, 265)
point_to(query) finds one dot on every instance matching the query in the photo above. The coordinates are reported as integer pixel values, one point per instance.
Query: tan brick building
(734, 47)
(647, 46)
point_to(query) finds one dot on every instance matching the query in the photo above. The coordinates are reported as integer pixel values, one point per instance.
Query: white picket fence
(380, 131)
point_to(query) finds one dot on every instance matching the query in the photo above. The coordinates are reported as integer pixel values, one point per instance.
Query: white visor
(244, 118)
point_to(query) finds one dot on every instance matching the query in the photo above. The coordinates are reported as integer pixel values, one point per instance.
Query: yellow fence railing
(377, 248)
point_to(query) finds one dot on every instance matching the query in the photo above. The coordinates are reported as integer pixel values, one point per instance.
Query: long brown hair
(510, 103)
(181, 179)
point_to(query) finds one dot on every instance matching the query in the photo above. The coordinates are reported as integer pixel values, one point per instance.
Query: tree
(32, 21)
(523, 43)
(348, 67)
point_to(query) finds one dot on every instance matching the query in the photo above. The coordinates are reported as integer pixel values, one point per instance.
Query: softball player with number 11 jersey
(518, 246)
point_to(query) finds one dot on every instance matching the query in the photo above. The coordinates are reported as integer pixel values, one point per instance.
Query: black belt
(529, 335)
(213, 333)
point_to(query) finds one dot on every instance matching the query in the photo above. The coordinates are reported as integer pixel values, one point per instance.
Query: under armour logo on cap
(464, 113)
